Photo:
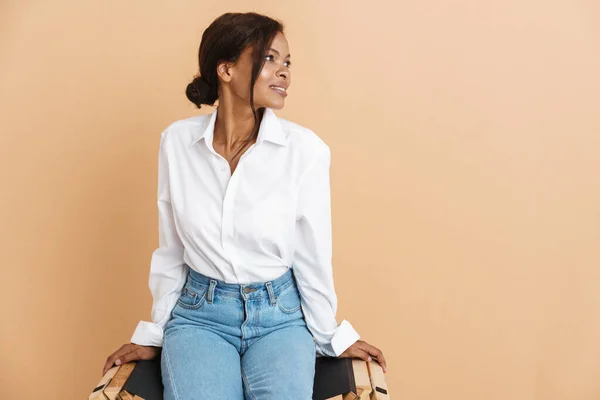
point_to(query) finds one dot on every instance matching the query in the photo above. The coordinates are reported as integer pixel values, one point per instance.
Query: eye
(269, 57)
(289, 64)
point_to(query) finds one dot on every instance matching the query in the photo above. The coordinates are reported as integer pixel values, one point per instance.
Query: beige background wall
(466, 187)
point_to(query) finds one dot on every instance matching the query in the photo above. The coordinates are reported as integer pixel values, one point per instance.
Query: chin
(276, 106)
(274, 102)
(272, 105)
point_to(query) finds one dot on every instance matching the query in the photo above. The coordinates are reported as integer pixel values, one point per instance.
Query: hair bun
(200, 92)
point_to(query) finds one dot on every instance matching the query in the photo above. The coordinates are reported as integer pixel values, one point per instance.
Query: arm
(168, 270)
(312, 260)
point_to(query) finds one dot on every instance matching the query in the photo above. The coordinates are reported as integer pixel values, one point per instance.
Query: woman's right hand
(130, 352)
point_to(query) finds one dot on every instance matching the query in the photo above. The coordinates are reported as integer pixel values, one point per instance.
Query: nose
(283, 73)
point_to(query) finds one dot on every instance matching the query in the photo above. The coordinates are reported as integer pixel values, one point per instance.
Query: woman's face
(270, 89)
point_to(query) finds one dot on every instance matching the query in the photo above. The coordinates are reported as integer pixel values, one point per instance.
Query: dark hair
(224, 40)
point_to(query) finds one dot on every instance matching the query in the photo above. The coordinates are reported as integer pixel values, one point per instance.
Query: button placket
(227, 225)
(227, 222)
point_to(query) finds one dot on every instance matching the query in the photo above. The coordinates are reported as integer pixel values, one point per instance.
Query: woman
(242, 279)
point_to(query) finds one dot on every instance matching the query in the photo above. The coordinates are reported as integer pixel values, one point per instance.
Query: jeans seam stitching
(284, 309)
(171, 374)
(194, 307)
(288, 311)
(245, 379)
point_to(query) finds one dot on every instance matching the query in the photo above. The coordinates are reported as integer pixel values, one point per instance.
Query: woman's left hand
(364, 351)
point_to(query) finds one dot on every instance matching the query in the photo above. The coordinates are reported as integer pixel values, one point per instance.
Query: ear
(225, 71)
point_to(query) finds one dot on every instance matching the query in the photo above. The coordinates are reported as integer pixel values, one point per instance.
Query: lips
(282, 90)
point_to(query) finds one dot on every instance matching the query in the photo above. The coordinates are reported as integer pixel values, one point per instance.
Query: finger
(364, 346)
(382, 362)
(134, 355)
(107, 365)
(110, 361)
(361, 354)
(376, 353)
(121, 350)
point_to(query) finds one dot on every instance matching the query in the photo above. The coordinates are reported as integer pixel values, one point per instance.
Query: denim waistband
(255, 290)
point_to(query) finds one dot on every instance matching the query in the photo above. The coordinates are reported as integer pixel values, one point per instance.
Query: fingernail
(369, 359)
(118, 362)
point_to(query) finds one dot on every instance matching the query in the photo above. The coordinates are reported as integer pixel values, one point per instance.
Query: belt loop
(211, 291)
(272, 297)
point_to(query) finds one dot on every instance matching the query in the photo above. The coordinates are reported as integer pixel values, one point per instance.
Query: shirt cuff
(343, 337)
(147, 334)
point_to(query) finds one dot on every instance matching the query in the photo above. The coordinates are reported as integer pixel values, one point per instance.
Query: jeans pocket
(288, 301)
(192, 298)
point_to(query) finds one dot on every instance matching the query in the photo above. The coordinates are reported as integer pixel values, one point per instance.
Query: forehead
(279, 43)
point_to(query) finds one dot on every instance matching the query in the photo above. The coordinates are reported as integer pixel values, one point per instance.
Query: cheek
(266, 75)
(268, 71)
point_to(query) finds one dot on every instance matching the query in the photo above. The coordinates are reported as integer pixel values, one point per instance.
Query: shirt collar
(270, 129)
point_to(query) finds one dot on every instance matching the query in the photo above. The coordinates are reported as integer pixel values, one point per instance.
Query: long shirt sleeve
(168, 270)
(273, 213)
(312, 261)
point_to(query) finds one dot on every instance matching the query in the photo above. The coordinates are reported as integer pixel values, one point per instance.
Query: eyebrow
(272, 49)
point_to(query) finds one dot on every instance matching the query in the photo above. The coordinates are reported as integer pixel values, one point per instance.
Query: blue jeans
(235, 342)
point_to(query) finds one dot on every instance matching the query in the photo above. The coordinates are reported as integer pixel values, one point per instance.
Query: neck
(234, 125)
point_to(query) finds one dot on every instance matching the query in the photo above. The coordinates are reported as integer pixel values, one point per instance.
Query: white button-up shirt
(271, 214)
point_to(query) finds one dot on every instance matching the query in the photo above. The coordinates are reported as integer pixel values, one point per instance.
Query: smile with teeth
(279, 89)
